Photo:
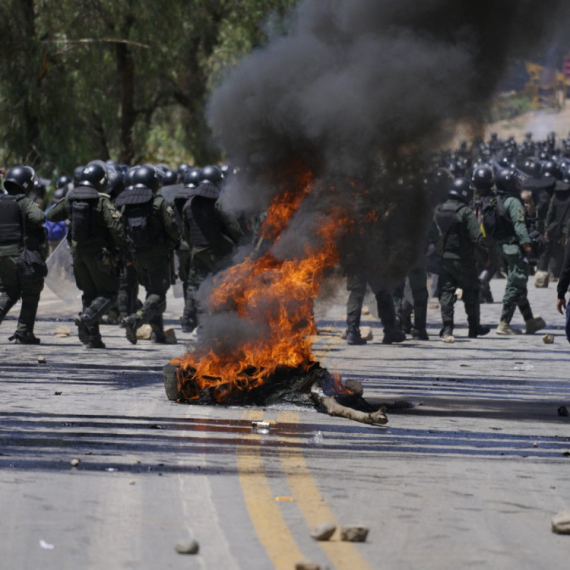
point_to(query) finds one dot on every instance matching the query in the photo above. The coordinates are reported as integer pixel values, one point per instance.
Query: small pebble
(548, 339)
(187, 547)
(74, 462)
(561, 523)
(42, 359)
(354, 533)
(133, 482)
(563, 411)
(323, 531)
(535, 444)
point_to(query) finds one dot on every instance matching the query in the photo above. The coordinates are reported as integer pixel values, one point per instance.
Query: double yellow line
(266, 516)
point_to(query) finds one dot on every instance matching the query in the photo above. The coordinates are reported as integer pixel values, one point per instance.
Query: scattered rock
(74, 462)
(144, 332)
(323, 531)
(170, 336)
(306, 565)
(365, 310)
(563, 411)
(561, 523)
(366, 333)
(133, 482)
(187, 547)
(535, 444)
(449, 339)
(354, 533)
(62, 332)
(42, 360)
(57, 393)
(548, 339)
(433, 306)
(541, 279)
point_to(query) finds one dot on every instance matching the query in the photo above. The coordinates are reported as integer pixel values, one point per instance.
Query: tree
(127, 79)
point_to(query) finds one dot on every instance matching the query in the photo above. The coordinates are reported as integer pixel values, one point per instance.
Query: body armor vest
(450, 226)
(205, 227)
(84, 224)
(143, 229)
(11, 220)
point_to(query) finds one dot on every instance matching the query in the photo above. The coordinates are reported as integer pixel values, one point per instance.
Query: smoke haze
(361, 92)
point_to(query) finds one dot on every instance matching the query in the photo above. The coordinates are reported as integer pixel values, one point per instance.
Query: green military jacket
(469, 241)
(34, 219)
(518, 216)
(108, 219)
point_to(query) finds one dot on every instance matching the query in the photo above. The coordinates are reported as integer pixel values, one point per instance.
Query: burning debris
(333, 136)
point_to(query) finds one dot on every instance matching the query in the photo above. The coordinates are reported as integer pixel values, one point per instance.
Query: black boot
(132, 323)
(353, 337)
(27, 337)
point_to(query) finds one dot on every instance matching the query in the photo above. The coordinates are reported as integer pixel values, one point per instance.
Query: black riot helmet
(170, 178)
(566, 174)
(551, 169)
(532, 167)
(192, 178)
(146, 176)
(183, 169)
(116, 182)
(462, 189)
(77, 175)
(63, 181)
(20, 180)
(507, 181)
(39, 189)
(95, 175)
(211, 174)
(128, 177)
(483, 178)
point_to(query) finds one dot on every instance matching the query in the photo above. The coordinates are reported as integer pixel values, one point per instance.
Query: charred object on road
(309, 385)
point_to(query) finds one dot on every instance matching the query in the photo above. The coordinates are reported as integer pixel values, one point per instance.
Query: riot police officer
(462, 242)
(210, 232)
(152, 233)
(96, 235)
(20, 227)
(515, 245)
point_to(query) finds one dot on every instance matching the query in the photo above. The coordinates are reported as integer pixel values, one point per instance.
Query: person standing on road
(515, 246)
(462, 244)
(21, 223)
(211, 233)
(96, 234)
(153, 234)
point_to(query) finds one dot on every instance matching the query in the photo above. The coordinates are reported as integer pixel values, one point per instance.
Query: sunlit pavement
(469, 476)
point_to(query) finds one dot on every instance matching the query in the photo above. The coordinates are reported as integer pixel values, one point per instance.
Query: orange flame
(274, 295)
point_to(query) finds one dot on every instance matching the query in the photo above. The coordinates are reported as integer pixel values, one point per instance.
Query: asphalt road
(470, 477)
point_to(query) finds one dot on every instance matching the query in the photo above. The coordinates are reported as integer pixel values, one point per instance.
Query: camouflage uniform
(462, 242)
(12, 288)
(515, 261)
(152, 265)
(95, 262)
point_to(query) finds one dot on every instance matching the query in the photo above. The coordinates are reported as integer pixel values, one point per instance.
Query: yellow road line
(264, 512)
(311, 503)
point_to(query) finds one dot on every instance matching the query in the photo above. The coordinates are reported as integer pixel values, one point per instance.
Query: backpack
(495, 219)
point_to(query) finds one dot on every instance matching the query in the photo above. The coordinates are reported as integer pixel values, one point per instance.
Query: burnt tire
(171, 382)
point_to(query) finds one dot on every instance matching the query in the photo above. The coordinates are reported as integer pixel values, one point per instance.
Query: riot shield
(60, 278)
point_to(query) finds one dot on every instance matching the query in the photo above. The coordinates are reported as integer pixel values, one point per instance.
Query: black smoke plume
(361, 92)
